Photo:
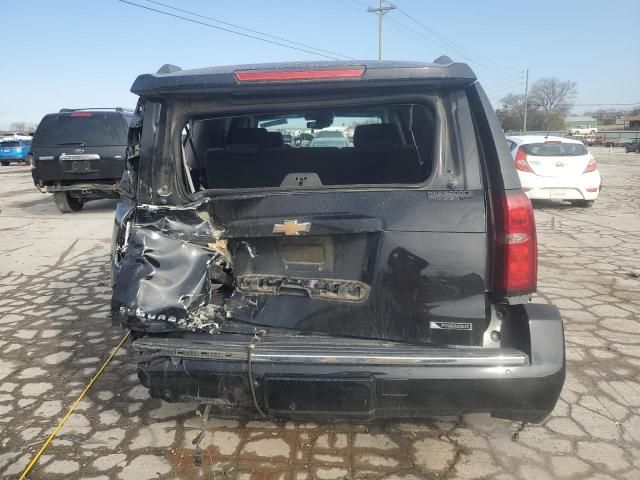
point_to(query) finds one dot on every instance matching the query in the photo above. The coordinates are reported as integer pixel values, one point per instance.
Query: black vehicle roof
(104, 111)
(173, 79)
(107, 110)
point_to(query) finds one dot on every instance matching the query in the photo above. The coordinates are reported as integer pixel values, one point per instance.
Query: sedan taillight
(591, 166)
(521, 161)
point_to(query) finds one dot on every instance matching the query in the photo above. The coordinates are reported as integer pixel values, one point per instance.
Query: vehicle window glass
(90, 129)
(555, 149)
(10, 144)
(373, 145)
(297, 132)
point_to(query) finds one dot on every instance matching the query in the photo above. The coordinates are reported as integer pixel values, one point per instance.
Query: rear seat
(380, 156)
(250, 161)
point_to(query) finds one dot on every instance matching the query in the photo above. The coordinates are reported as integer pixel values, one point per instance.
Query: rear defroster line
(73, 407)
(255, 341)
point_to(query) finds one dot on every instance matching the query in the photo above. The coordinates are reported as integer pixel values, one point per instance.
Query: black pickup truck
(78, 155)
(388, 278)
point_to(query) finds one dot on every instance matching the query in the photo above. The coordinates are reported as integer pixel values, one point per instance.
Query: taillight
(515, 262)
(591, 166)
(284, 75)
(81, 114)
(521, 161)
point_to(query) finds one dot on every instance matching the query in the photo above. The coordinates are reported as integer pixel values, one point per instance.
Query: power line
(505, 90)
(500, 84)
(419, 35)
(362, 4)
(444, 47)
(229, 30)
(452, 44)
(348, 5)
(440, 43)
(248, 29)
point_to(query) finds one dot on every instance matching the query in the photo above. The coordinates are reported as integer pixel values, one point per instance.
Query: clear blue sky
(73, 53)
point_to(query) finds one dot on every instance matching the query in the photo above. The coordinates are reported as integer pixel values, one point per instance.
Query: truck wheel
(66, 203)
(582, 203)
(5, 164)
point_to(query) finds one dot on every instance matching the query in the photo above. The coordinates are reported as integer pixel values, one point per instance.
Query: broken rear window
(385, 144)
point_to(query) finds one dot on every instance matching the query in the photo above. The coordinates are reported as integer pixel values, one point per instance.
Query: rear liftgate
(305, 278)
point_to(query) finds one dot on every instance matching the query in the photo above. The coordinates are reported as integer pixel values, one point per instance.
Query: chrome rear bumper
(329, 350)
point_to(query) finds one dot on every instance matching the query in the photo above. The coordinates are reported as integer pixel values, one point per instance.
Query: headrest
(383, 134)
(276, 140)
(249, 136)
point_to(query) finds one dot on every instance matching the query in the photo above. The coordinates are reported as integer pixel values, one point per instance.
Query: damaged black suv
(386, 276)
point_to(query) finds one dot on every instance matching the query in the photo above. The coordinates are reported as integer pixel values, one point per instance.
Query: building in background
(581, 122)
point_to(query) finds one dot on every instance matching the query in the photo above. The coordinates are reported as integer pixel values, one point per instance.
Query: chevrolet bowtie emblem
(291, 227)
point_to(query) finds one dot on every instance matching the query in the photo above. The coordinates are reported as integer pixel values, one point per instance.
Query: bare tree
(553, 97)
(511, 114)
(514, 104)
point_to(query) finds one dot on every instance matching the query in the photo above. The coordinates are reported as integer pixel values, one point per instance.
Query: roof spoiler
(168, 68)
(117, 109)
(443, 60)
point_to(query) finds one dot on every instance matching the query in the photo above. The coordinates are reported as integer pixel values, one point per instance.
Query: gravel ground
(54, 297)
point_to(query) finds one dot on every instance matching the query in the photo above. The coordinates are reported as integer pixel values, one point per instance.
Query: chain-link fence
(615, 136)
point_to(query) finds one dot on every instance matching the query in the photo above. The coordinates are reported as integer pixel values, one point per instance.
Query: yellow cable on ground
(73, 407)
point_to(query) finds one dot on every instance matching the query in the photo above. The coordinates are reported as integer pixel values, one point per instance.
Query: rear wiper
(80, 144)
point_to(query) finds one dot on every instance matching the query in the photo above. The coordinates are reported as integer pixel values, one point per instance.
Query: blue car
(15, 151)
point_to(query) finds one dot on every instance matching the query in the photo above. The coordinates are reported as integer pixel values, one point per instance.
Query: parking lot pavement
(54, 297)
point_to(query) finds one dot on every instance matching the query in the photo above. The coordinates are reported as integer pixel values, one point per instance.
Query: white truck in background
(583, 130)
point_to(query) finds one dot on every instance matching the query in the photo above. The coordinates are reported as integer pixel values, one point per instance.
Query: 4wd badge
(292, 227)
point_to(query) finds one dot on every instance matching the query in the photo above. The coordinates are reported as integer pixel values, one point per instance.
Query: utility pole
(381, 11)
(526, 100)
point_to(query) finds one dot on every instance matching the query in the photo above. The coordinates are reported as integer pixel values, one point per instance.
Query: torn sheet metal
(165, 284)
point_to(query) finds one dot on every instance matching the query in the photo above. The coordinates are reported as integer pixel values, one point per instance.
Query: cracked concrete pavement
(54, 296)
